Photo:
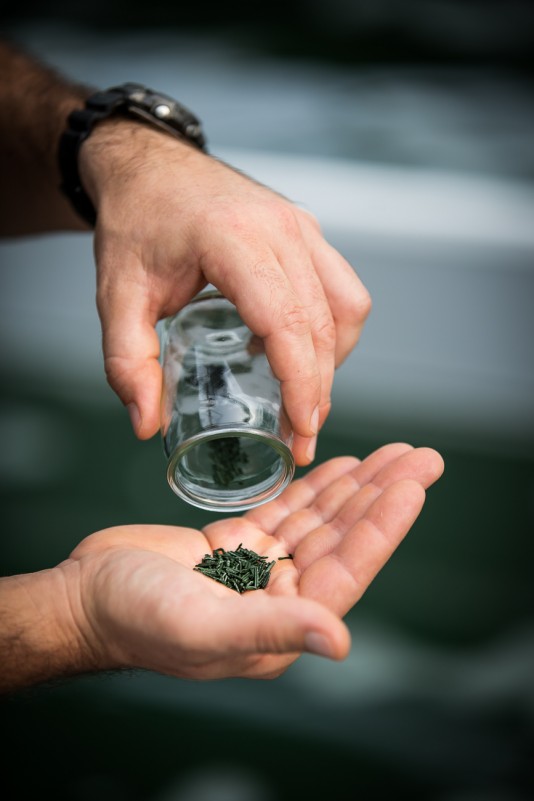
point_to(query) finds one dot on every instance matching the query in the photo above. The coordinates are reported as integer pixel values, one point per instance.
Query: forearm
(35, 102)
(40, 639)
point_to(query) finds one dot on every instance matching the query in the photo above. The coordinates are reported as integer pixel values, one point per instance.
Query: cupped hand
(171, 219)
(142, 605)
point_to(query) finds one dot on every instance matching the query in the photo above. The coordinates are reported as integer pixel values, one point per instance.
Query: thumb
(281, 625)
(130, 345)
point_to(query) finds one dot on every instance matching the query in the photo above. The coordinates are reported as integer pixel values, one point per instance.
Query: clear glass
(225, 434)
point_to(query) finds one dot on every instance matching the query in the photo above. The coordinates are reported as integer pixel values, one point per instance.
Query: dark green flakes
(227, 461)
(241, 570)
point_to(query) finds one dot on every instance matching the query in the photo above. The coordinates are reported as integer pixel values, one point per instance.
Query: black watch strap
(132, 100)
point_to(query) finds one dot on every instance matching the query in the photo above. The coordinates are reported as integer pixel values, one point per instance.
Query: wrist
(119, 149)
(134, 102)
(41, 630)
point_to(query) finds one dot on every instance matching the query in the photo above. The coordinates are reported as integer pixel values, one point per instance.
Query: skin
(128, 597)
(292, 288)
(169, 220)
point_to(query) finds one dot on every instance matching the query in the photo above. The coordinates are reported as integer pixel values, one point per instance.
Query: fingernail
(310, 450)
(314, 420)
(135, 417)
(316, 643)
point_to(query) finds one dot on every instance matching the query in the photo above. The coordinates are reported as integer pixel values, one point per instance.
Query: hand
(170, 220)
(139, 603)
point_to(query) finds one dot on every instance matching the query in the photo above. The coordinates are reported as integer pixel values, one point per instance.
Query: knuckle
(286, 219)
(325, 333)
(114, 371)
(118, 372)
(295, 320)
(365, 305)
(357, 306)
(311, 219)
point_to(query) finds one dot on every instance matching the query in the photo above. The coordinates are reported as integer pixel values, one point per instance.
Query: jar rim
(215, 501)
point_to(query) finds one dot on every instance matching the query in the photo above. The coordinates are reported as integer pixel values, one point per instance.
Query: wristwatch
(131, 100)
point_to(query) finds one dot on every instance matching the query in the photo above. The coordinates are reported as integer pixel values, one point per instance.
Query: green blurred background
(386, 118)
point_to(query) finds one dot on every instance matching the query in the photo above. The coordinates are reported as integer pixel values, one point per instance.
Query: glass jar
(225, 433)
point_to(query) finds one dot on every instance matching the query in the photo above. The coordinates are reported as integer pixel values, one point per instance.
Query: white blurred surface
(446, 252)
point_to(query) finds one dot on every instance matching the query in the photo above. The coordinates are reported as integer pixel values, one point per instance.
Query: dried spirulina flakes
(227, 460)
(241, 570)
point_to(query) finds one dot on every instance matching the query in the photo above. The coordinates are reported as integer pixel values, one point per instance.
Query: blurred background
(407, 128)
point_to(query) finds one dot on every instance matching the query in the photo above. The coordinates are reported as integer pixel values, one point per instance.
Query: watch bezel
(143, 102)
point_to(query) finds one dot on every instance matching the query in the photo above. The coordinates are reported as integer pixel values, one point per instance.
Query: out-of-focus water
(423, 179)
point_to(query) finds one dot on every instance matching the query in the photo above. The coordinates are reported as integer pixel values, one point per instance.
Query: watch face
(164, 112)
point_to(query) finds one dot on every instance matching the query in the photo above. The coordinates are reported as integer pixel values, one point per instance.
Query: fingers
(337, 322)
(131, 351)
(340, 578)
(317, 496)
(326, 507)
(346, 295)
(424, 465)
(421, 465)
(310, 292)
(305, 301)
(269, 304)
(300, 495)
(369, 480)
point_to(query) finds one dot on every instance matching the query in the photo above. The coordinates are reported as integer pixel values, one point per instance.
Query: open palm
(145, 607)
